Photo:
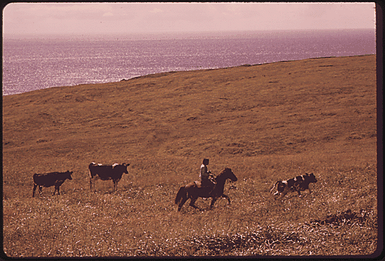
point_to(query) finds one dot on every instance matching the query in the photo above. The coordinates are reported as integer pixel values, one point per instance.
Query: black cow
(107, 172)
(49, 180)
(299, 183)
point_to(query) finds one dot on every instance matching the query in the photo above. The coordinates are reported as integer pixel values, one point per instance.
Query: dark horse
(193, 190)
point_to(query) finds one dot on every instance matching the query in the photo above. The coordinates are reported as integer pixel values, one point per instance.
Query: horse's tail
(181, 193)
(274, 185)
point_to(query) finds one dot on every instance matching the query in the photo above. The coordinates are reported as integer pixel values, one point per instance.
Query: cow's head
(311, 177)
(125, 167)
(281, 185)
(121, 167)
(68, 174)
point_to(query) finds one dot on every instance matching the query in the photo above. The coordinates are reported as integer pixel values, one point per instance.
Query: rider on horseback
(207, 179)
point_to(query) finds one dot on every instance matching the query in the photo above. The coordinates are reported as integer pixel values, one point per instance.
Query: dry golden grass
(266, 122)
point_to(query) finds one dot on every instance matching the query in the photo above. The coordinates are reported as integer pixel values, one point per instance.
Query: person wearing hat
(205, 175)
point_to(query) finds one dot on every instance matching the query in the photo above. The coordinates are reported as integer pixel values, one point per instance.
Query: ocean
(37, 63)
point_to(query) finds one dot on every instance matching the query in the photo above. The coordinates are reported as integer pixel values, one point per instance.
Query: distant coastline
(174, 35)
(160, 74)
(38, 63)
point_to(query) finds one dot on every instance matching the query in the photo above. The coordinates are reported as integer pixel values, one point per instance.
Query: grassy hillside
(265, 122)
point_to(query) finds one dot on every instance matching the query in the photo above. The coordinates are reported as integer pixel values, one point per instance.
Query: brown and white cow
(107, 172)
(299, 183)
(49, 180)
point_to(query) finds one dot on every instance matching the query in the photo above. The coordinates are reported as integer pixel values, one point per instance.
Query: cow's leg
(40, 190)
(115, 184)
(273, 187)
(276, 194)
(90, 184)
(34, 189)
(57, 188)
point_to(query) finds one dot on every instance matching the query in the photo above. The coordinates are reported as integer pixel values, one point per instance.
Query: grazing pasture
(266, 122)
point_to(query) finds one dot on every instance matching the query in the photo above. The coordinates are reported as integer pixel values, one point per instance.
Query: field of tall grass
(141, 220)
(267, 123)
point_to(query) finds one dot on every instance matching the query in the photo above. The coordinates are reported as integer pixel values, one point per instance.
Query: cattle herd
(97, 171)
(114, 172)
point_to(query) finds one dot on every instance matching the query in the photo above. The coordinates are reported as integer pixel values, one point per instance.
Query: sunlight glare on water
(32, 64)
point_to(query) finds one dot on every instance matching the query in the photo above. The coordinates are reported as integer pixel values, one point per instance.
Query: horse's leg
(228, 198)
(212, 202)
(184, 199)
(192, 202)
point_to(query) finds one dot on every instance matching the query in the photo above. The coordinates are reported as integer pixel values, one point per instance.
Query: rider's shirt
(204, 174)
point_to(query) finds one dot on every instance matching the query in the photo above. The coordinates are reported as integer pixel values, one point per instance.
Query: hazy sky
(105, 18)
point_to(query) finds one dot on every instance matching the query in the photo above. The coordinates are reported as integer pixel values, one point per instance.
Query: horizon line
(169, 33)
